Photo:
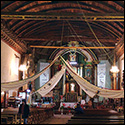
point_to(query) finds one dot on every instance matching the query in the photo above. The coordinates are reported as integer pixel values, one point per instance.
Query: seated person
(78, 109)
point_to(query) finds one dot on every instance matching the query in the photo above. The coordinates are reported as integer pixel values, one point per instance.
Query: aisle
(58, 119)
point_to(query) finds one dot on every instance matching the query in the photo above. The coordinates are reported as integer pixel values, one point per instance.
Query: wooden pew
(97, 117)
(4, 120)
(9, 118)
(96, 122)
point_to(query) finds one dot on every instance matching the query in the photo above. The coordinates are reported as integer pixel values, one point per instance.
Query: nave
(56, 54)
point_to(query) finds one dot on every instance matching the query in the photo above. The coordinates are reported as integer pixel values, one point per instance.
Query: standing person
(24, 110)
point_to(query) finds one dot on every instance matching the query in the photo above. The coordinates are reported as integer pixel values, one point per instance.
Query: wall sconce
(22, 68)
(2, 93)
(114, 69)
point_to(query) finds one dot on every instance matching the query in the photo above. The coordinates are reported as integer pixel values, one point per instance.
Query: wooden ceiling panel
(58, 22)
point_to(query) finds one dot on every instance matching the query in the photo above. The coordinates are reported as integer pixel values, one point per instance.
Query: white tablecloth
(69, 104)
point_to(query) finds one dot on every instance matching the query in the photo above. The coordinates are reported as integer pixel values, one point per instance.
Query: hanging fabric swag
(17, 84)
(91, 89)
(46, 88)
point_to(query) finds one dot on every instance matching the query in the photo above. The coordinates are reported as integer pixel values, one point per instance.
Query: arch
(90, 57)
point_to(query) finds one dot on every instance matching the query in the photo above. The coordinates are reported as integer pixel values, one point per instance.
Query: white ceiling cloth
(91, 89)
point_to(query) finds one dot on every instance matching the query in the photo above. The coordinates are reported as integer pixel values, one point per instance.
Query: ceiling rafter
(33, 29)
(63, 16)
(105, 17)
(12, 40)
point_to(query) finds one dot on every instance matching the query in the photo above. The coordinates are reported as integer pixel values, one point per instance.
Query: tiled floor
(58, 119)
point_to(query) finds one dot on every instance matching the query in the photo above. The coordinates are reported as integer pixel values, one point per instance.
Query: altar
(69, 104)
(70, 101)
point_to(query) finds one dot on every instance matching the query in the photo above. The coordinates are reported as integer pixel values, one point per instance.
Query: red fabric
(63, 104)
(59, 67)
(68, 106)
(81, 106)
(61, 96)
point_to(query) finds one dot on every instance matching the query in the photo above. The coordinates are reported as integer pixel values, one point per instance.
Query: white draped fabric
(17, 84)
(91, 89)
(46, 88)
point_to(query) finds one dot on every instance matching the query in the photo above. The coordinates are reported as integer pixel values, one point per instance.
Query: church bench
(97, 117)
(96, 122)
(7, 119)
(4, 120)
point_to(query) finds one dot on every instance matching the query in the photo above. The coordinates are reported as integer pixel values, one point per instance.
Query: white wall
(9, 64)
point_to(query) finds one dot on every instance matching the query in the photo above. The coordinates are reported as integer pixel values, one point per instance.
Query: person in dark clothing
(92, 99)
(24, 110)
(78, 109)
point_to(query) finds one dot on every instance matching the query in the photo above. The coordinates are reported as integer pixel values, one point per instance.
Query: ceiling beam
(12, 40)
(63, 47)
(85, 39)
(62, 16)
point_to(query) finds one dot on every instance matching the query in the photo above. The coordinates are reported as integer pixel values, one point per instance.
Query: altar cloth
(69, 104)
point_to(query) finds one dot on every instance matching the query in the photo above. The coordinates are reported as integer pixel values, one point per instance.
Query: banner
(101, 71)
(44, 78)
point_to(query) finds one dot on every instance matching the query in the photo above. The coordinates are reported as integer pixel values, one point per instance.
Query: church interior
(57, 54)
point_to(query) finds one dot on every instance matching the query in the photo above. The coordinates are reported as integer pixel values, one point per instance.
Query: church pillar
(95, 82)
(67, 87)
(81, 74)
(95, 62)
(64, 86)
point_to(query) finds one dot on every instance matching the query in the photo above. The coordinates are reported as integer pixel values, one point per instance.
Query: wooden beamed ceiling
(56, 23)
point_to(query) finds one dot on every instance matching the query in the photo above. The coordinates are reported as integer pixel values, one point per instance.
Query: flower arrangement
(64, 104)
(69, 109)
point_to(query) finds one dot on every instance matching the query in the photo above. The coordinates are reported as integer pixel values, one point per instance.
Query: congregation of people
(115, 104)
